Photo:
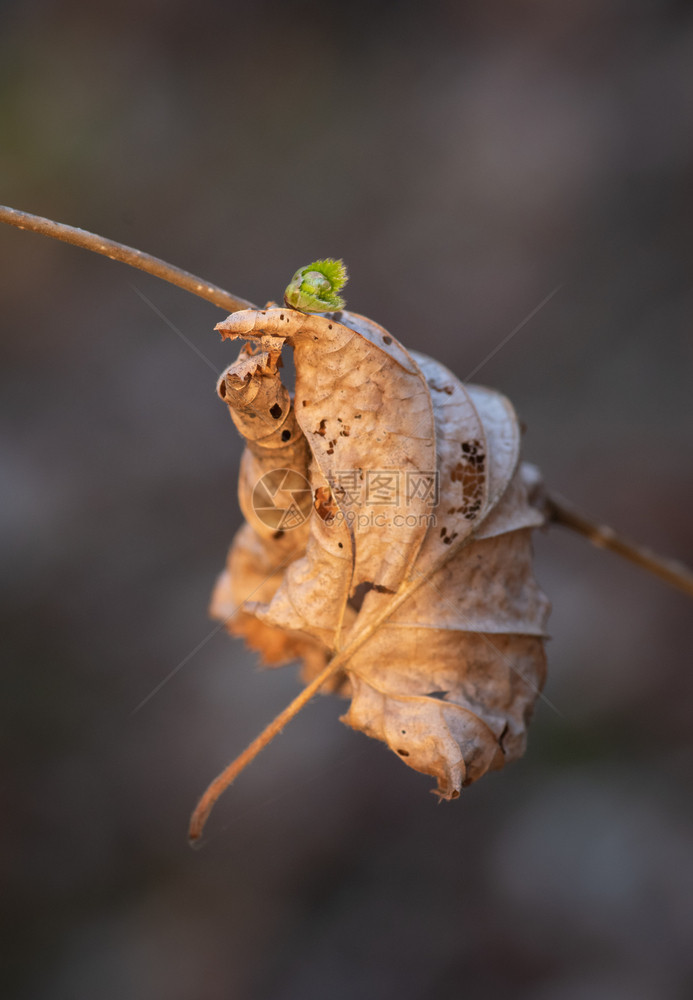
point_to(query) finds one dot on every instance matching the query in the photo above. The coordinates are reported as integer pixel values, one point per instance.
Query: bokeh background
(465, 159)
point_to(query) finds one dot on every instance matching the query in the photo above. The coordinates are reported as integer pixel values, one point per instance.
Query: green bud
(316, 287)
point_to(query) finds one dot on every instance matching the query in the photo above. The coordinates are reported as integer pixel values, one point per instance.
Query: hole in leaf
(357, 598)
(403, 753)
(286, 435)
(276, 411)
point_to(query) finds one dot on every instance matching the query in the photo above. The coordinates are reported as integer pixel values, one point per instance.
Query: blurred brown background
(464, 159)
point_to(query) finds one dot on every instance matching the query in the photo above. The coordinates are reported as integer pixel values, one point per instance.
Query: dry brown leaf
(412, 570)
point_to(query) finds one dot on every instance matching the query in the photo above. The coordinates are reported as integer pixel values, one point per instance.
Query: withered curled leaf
(390, 536)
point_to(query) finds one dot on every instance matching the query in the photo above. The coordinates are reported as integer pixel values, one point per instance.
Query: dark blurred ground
(464, 159)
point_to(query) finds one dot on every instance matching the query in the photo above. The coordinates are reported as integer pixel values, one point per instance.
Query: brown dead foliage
(388, 531)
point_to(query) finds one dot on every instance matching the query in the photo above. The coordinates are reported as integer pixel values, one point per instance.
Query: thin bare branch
(674, 573)
(127, 255)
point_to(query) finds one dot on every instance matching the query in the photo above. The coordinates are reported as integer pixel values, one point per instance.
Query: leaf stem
(558, 511)
(229, 775)
(127, 255)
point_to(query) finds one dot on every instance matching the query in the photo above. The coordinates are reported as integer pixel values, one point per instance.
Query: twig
(128, 255)
(558, 511)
